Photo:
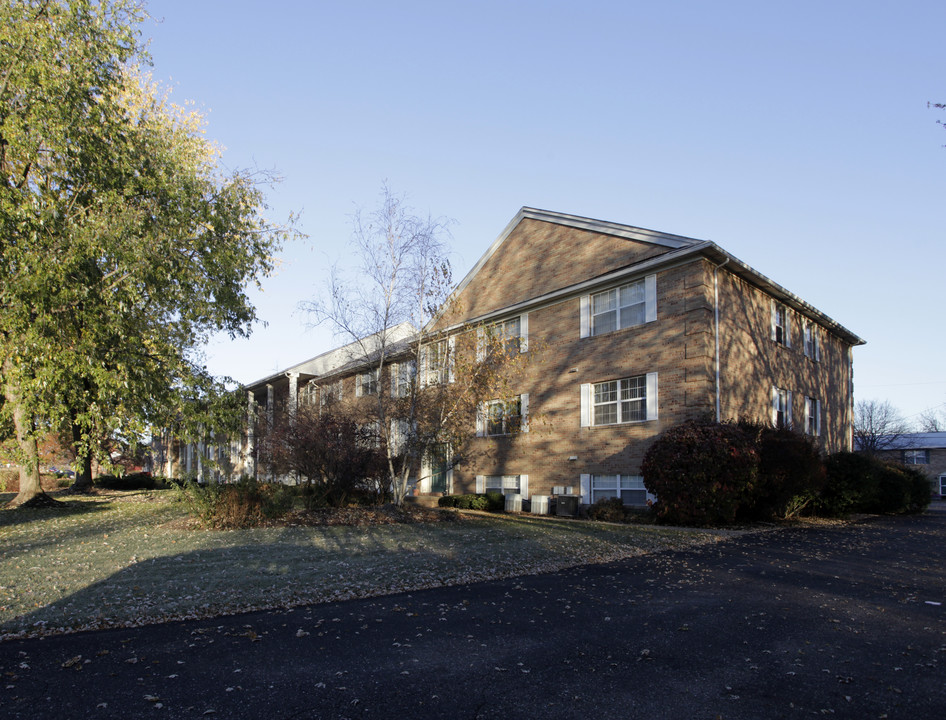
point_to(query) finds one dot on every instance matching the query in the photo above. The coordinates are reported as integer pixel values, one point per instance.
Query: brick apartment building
(634, 331)
(926, 451)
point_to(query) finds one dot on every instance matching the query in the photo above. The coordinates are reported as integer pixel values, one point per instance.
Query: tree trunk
(83, 483)
(30, 487)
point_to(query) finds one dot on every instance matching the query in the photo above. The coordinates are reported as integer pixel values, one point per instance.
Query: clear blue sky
(795, 135)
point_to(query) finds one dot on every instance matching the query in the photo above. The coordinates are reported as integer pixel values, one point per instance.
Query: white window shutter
(809, 408)
(774, 405)
(449, 482)
(480, 344)
(788, 409)
(480, 484)
(524, 410)
(358, 379)
(773, 312)
(585, 315)
(650, 298)
(524, 486)
(652, 396)
(788, 328)
(451, 348)
(816, 339)
(585, 485)
(524, 332)
(481, 420)
(586, 404)
(818, 418)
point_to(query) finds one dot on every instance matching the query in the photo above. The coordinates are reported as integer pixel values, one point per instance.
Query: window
(629, 488)
(331, 393)
(781, 408)
(436, 361)
(621, 307)
(505, 484)
(813, 416)
(781, 327)
(942, 485)
(512, 335)
(402, 375)
(503, 417)
(367, 383)
(916, 457)
(309, 394)
(812, 342)
(632, 399)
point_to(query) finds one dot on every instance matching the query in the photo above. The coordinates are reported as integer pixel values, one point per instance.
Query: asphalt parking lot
(841, 621)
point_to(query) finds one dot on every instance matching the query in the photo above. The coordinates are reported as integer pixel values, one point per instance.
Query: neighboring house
(926, 451)
(632, 331)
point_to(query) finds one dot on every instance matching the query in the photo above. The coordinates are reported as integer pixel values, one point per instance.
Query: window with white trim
(503, 417)
(507, 333)
(812, 342)
(309, 394)
(402, 375)
(332, 392)
(942, 485)
(614, 402)
(622, 307)
(781, 408)
(367, 383)
(813, 416)
(631, 304)
(781, 325)
(915, 457)
(436, 361)
(504, 484)
(629, 488)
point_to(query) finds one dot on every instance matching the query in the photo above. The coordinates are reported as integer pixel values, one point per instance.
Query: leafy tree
(124, 246)
(878, 426)
(394, 311)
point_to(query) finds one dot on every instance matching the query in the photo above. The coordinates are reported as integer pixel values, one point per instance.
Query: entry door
(438, 469)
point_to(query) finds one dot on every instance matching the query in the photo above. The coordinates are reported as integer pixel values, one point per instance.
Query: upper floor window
(331, 392)
(812, 342)
(402, 375)
(632, 399)
(916, 457)
(309, 394)
(625, 306)
(367, 383)
(781, 325)
(781, 408)
(511, 335)
(503, 417)
(436, 361)
(813, 416)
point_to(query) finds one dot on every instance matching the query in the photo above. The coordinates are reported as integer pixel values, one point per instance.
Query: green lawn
(127, 559)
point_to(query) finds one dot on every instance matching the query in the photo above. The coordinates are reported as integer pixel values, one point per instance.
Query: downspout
(716, 324)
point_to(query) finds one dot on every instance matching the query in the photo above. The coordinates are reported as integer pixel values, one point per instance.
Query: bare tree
(427, 383)
(932, 420)
(878, 426)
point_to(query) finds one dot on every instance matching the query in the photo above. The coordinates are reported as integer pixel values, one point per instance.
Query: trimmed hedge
(132, 481)
(705, 473)
(491, 502)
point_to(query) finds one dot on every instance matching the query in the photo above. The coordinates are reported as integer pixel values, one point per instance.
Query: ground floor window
(504, 484)
(629, 488)
(942, 484)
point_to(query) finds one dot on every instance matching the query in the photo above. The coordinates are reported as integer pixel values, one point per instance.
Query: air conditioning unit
(540, 504)
(566, 505)
(514, 502)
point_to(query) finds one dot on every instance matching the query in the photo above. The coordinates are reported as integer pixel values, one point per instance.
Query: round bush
(701, 473)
